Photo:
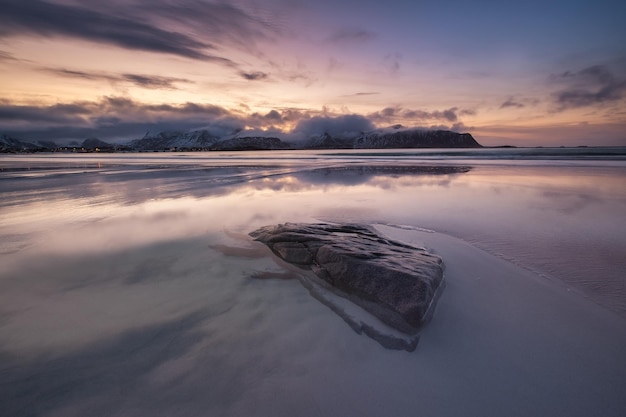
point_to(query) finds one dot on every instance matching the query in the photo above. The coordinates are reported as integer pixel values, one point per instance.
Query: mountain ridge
(395, 137)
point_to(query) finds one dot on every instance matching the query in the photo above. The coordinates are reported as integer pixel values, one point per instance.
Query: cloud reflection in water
(112, 296)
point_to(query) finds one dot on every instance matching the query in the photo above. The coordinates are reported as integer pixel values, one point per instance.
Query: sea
(118, 298)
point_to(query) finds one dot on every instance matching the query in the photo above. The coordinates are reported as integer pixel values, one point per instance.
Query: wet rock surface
(395, 282)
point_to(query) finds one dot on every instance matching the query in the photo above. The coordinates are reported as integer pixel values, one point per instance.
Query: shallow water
(115, 301)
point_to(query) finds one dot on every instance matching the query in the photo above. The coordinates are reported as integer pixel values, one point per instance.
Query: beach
(115, 300)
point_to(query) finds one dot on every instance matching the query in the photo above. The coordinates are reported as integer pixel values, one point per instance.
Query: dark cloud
(154, 81)
(361, 94)
(391, 114)
(49, 19)
(449, 115)
(588, 87)
(274, 115)
(351, 35)
(467, 112)
(141, 80)
(254, 76)
(221, 21)
(460, 127)
(50, 115)
(120, 119)
(340, 126)
(293, 114)
(177, 28)
(110, 118)
(5, 56)
(511, 103)
(78, 74)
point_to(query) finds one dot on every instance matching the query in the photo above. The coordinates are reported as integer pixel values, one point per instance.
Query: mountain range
(394, 137)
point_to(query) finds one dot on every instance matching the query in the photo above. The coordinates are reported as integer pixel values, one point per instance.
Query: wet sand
(116, 300)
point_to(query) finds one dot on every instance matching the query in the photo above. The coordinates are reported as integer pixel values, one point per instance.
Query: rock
(395, 282)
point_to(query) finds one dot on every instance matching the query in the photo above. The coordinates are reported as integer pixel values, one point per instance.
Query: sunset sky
(522, 73)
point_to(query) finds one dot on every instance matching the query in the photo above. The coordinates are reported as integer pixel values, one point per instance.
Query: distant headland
(395, 137)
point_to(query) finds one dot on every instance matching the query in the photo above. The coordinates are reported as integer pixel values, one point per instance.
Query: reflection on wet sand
(535, 215)
(362, 174)
(121, 293)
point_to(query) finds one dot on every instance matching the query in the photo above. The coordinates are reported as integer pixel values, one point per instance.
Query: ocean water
(116, 299)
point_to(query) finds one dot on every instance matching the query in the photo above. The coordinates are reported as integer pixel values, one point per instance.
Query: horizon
(528, 74)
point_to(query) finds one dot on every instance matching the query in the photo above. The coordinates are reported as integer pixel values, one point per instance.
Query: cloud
(590, 86)
(180, 28)
(365, 93)
(467, 112)
(274, 115)
(120, 119)
(154, 81)
(110, 118)
(41, 18)
(449, 115)
(293, 115)
(511, 103)
(351, 36)
(460, 127)
(254, 76)
(392, 114)
(141, 80)
(58, 114)
(344, 126)
(222, 22)
(6, 56)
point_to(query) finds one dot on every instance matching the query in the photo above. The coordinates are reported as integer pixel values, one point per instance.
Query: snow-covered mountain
(198, 139)
(326, 141)
(203, 140)
(9, 144)
(394, 137)
(95, 143)
(414, 138)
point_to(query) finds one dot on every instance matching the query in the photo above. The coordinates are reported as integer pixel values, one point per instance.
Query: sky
(531, 73)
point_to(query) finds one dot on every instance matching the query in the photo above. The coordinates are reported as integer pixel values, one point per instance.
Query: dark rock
(395, 282)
